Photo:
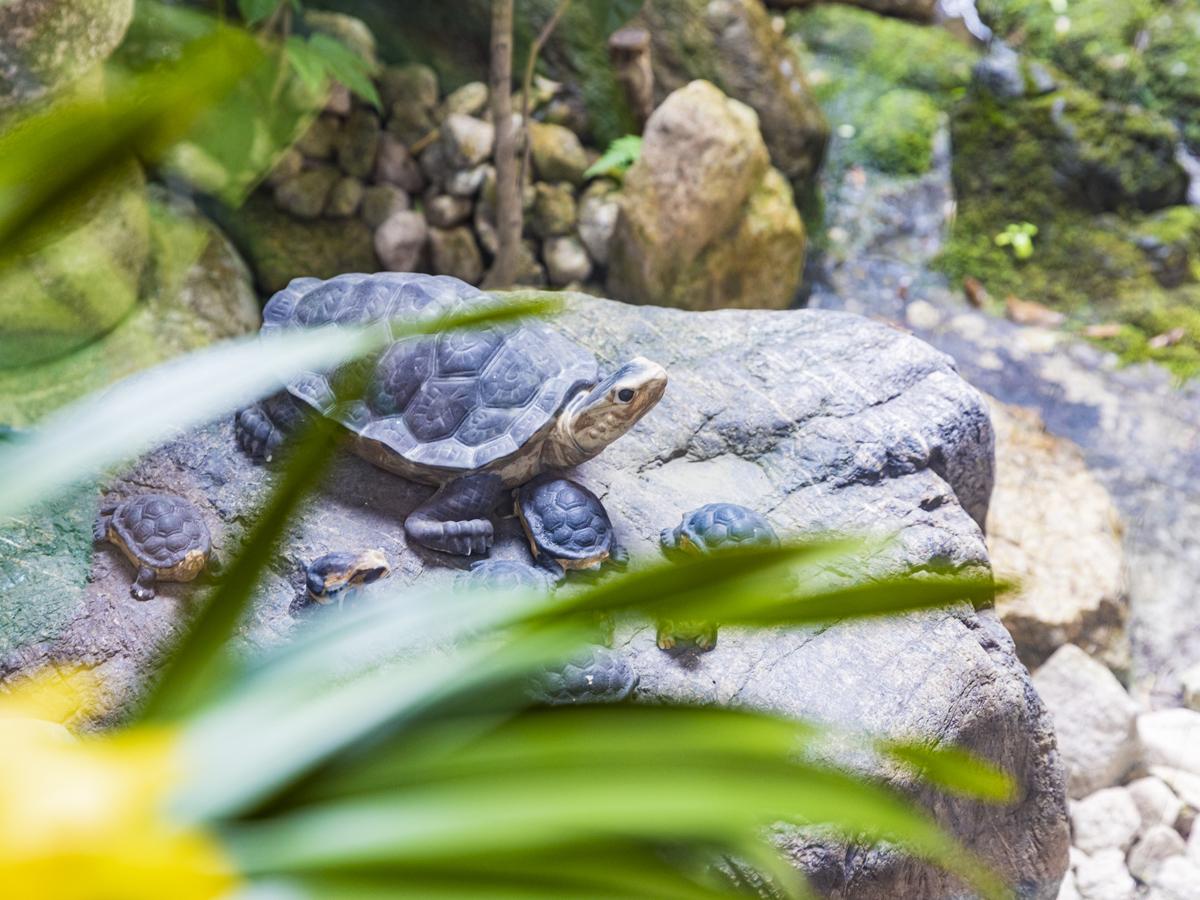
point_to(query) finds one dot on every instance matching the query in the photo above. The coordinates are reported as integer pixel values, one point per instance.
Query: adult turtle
(566, 525)
(163, 536)
(475, 412)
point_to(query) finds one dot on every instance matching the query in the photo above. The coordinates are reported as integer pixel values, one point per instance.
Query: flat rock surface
(822, 421)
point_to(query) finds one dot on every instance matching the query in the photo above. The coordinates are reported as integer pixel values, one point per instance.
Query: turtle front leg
(454, 519)
(550, 566)
(143, 587)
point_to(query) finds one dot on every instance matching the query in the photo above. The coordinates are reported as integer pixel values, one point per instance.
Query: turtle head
(596, 417)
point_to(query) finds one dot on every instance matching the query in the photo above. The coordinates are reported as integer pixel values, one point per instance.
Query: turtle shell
(456, 400)
(160, 530)
(717, 525)
(504, 575)
(565, 519)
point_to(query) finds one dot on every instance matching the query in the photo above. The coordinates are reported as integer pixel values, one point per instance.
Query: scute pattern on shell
(161, 529)
(727, 524)
(456, 400)
(565, 518)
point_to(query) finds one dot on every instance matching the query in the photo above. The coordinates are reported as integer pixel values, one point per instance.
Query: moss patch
(898, 138)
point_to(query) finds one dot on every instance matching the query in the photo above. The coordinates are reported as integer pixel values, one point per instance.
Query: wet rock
(1093, 717)
(413, 84)
(358, 143)
(396, 165)
(381, 201)
(1156, 802)
(553, 210)
(467, 182)
(351, 32)
(409, 123)
(703, 214)
(1103, 876)
(1054, 532)
(306, 195)
(469, 100)
(1004, 74)
(598, 211)
(319, 140)
(466, 141)
(47, 44)
(1105, 820)
(557, 153)
(454, 252)
(345, 198)
(1157, 845)
(745, 417)
(400, 241)
(444, 211)
(339, 103)
(279, 247)
(1170, 737)
(732, 44)
(434, 165)
(567, 261)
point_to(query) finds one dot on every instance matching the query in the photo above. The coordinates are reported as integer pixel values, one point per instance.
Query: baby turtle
(505, 575)
(714, 526)
(717, 526)
(475, 412)
(566, 525)
(162, 535)
(598, 675)
(338, 575)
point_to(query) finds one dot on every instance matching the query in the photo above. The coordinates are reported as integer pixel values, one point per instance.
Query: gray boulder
(825, 422)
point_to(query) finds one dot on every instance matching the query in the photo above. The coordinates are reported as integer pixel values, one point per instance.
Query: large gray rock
(824, 422)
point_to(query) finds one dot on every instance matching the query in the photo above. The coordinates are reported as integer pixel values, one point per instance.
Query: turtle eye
(625, 395)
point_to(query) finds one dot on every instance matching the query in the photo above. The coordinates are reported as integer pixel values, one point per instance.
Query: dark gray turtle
(339, 574)
(505, 575)
(566, 525)
(713, 526)
(162, 535)
(599, 675)
(474, 412)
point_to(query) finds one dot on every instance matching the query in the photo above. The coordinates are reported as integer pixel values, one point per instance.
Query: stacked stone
(421, 176)
(1133, 776)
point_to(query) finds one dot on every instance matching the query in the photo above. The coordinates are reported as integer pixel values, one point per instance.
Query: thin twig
(535, 50)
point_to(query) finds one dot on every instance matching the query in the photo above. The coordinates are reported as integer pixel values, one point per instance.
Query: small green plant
(616, 160)
(1019, 236)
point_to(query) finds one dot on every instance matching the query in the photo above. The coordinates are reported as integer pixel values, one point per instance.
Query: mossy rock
(898, 138)
(197, 291)
(46, 44)
(279, 247)
(1137, 51)
(79, 286)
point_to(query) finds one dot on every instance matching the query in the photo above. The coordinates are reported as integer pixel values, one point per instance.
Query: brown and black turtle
(338, 575)
(566, 525)
(712, 527)
(163, 535)
(474, 412)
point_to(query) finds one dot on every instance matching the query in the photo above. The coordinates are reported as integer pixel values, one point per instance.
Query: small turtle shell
(504, 575)
(160, 529)
(723, 525)
(565, 519)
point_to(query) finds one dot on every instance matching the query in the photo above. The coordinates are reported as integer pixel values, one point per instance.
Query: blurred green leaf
(51, 163)
(254, 11)
(953, 769)
(609, 15)
(344, 65)
(616, 160)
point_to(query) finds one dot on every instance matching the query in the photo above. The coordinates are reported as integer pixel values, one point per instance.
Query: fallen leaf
(977, 294)
(1103, 330)
(1027, 312)
(1167, 338)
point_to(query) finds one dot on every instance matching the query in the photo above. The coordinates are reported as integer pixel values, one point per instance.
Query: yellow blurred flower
(83, 818)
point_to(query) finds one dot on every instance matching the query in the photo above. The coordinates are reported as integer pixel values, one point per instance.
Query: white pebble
(1105, 820)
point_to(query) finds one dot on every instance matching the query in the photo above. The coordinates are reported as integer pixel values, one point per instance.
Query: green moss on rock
(898, 138)
(280, 248)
